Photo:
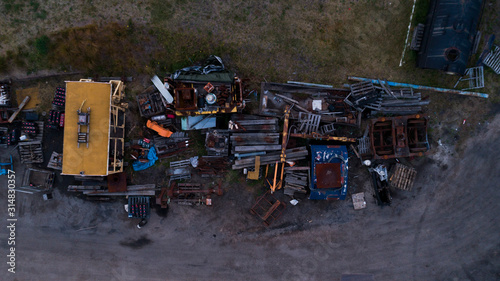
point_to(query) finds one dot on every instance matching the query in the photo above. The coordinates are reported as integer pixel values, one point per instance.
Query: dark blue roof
(449, 35)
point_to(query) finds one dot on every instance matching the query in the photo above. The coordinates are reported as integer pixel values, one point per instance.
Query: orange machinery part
(159, 129)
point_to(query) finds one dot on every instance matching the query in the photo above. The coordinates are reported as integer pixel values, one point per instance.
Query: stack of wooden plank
(245, 123)
(132, 190)
(243, 143)
(296, 180)
(293, 154)
(179, 170)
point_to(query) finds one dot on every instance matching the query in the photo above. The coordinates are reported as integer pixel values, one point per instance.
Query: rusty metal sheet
(117, 182)
(328, 175)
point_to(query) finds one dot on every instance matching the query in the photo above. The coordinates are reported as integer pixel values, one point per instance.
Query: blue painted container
(329, 166)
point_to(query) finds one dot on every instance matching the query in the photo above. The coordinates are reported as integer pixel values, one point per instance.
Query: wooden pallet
(402, 177)
(31, 152)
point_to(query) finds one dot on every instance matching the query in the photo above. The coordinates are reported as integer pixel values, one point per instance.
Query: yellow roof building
(95, 149)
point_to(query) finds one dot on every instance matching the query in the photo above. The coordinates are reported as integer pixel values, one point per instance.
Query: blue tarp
(138, 166)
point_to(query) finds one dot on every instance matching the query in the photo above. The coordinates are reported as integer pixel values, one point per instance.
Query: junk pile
(37, 180)
(178, 142)
(380, 185)
(188, 194)
(208, 88)
(151, 103)
(316, 109)
(217, 143)
(384, 100)
(212, 166)
(5, 93)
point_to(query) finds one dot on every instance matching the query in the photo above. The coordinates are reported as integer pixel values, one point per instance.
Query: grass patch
(12, 6)
(421, 10)
(233, 177)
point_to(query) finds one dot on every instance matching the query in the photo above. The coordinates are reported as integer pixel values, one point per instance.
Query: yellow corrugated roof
(94, 159)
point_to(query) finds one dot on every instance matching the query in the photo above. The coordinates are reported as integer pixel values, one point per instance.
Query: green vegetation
(12, 6)
(421, 10)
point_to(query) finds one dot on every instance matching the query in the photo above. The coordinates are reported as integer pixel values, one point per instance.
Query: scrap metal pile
(384, 100)
(299, 140)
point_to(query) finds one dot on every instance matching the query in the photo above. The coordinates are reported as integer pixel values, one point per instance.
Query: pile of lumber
(150, 103)
(132, 190)
(296, 180)
(245, 123)
(293, 154)
(243, 143)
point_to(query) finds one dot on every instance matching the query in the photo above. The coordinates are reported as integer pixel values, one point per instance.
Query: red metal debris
(403, 136)
(268, 208)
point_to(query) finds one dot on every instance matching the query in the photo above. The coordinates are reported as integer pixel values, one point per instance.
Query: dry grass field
(314, 41)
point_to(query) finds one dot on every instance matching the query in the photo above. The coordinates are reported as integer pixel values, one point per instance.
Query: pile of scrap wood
(253, 135)
(55, 161)
(245, 123)
(292, 154)
(384, 100)
(296, 180)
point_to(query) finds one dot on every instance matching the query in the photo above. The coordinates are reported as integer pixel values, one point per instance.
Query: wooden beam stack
(296, 180)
